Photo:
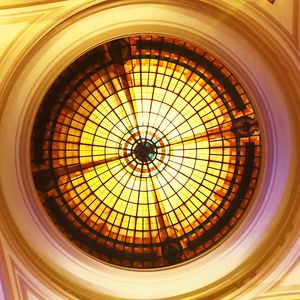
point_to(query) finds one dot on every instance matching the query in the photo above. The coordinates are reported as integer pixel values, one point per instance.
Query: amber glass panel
(145, 151)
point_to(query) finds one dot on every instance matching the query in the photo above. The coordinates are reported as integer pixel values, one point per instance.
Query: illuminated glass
(145, 151)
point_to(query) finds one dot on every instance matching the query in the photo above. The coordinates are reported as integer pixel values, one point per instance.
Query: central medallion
(144, 151)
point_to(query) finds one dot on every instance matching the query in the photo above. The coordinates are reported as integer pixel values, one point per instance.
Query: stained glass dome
(145, 152)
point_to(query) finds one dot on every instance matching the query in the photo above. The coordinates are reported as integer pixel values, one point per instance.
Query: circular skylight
(145, 152)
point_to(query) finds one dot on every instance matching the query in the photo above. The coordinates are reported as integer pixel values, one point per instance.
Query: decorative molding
(26, 288)
(18, 25)
(5, 284)
(296, 24)
(11, 4)
(283, 293)
(268, 20)
(21, 282)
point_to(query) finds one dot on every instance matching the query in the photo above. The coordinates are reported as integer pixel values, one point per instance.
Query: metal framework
(145, 151)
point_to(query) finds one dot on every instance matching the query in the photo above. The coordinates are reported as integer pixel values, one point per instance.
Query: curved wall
(265, 61)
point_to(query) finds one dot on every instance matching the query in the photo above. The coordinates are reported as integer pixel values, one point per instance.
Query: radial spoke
(70, 170)
(158, 208)
(211, 134)
(120, 192)
(119, 51)
(103, 97)
(125, 83)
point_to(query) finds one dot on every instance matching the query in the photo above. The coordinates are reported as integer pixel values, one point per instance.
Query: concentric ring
(146, 151)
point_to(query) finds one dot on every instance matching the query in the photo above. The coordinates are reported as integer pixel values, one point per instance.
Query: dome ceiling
(145, 151)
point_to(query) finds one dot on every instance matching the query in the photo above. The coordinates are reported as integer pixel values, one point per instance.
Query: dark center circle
(144, 151)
